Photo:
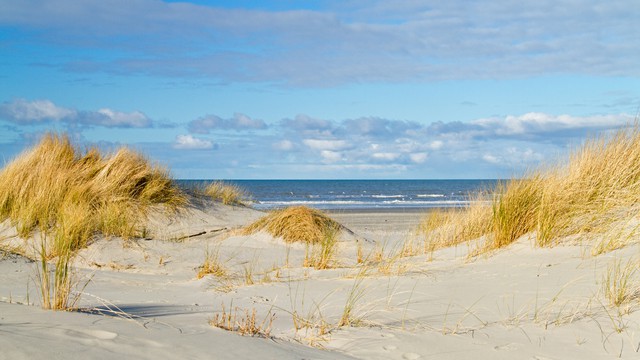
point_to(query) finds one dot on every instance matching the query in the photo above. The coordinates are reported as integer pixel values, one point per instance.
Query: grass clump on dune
(448, 227)
(72, 194)
(594, 196)
(297, 224)
(228, 194)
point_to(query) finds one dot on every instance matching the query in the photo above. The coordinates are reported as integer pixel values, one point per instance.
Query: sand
(142, 298)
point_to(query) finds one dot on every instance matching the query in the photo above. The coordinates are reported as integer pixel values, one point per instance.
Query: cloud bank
(338, 42)
(25, 112)
(308, 147)
(304, 146)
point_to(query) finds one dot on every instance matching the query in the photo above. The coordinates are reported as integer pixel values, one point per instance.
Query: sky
(321, 89)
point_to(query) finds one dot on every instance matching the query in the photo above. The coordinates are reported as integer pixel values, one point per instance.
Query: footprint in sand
(390, 347)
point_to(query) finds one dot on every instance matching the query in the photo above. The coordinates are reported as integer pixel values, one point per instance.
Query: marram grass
(593, 197)
(228, 194)
(69, 195)
(297, 224)
(448, 227)
(57, 189)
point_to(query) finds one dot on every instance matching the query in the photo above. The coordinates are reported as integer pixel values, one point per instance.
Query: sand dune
(143, 299)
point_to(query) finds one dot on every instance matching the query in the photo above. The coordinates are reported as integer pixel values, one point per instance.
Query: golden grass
(444, 228)
(56, 188)
(296, 224)
(212, 265)
(514, 211)
(228, 194)
(70, 195)
(322, 255)
(591, 196)
(620, 286)
(243, 322)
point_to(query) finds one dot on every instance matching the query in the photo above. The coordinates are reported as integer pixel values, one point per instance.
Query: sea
(358, 194)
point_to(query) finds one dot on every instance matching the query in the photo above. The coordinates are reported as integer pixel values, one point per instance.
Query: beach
(141, 298)
(301, 180)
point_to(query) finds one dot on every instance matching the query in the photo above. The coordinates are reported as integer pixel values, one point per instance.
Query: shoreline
(381, 210)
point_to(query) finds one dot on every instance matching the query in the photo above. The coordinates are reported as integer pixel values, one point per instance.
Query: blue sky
(321, 89)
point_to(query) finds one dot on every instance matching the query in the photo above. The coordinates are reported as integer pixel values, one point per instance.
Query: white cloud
(436, 145)
(111, 118)
(284, 145)
(379, 127)
(242, 121)
(330, 156)
(307, 125)
(419, 158)
(491, 158)
(536, 123)
(188, 142)
(385, 156)
(319, 144)
(238, 122)
(513, 157)
(24, 111)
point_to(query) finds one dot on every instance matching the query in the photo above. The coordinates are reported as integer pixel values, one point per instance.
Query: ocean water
(357, 194)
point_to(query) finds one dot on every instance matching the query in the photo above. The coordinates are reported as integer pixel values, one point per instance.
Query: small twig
(193, 235)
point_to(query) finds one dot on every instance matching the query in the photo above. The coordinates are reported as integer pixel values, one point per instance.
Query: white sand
(520, 303)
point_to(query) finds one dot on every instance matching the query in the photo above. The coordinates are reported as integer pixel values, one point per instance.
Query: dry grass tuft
(322, 255)
(243, 322)
(620, 286)
(228, 194)
(297, 224)
(212, 265)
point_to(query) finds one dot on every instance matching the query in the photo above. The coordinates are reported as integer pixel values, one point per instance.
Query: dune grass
(296, 224)
(590, 196)
(56, 188)
(444, 228)
(243, 321)
(228, 194)
(69, 195)
(212, 264)
(620, 286)
(322, 255)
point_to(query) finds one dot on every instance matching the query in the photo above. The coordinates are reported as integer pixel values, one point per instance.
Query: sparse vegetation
(212, 265)
(243, 321)
(296, 224)
(228, 194)
(357, 292)
(322, 255)
(620, 286)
